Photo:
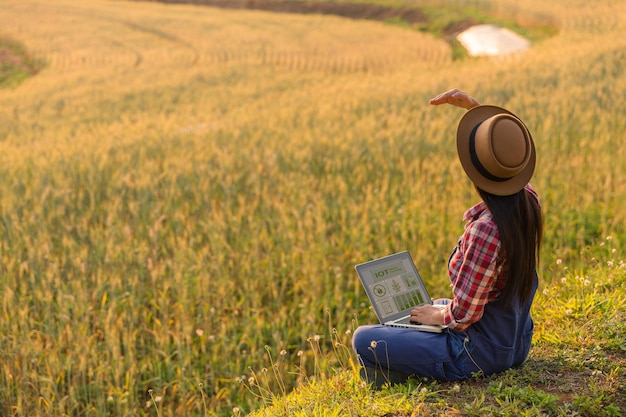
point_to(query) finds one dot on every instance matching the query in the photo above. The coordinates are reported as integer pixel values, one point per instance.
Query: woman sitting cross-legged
(492, 268)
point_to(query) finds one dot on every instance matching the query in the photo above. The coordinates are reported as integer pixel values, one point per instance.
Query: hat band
(476, 162)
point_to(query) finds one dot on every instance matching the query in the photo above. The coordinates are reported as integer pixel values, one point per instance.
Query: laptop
(394, 287)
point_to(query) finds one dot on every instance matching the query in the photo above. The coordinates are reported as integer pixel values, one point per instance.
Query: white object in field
(491, 40)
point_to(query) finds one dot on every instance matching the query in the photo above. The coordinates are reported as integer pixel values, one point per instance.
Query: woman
(492, 269)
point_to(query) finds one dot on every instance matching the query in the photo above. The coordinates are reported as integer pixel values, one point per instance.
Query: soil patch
(8, 57)
(12, 63)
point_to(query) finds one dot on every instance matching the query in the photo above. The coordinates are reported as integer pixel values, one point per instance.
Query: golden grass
(182, 186)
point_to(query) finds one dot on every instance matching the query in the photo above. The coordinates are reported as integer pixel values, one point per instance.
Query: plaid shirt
(476, 276)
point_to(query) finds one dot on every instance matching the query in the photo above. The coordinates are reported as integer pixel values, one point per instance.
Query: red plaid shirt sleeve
(473, 269)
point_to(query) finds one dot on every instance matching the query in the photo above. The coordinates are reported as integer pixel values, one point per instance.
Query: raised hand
(455, 97)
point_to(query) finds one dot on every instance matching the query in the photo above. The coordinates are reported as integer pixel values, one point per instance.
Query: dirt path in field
(349, 10)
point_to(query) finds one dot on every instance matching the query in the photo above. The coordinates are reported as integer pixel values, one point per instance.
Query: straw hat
(496, 150)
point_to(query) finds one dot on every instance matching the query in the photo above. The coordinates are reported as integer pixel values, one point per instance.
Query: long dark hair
(520, 227)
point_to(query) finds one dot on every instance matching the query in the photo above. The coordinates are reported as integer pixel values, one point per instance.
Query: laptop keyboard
(406, 320)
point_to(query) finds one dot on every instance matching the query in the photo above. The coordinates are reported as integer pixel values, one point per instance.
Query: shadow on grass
(590, 385)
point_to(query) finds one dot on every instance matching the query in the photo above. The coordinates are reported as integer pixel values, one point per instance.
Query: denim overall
(498, 341)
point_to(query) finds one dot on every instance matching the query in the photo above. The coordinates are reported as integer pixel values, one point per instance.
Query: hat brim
(469, 120)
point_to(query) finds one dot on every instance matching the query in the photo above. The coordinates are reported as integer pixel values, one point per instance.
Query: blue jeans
(391, 354)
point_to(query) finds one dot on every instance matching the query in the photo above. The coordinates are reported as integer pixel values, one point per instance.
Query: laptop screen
(393, 285)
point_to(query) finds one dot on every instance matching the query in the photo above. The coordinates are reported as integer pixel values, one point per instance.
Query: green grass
(576, 366)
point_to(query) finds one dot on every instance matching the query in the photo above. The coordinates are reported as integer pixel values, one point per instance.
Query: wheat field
(185, 190)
